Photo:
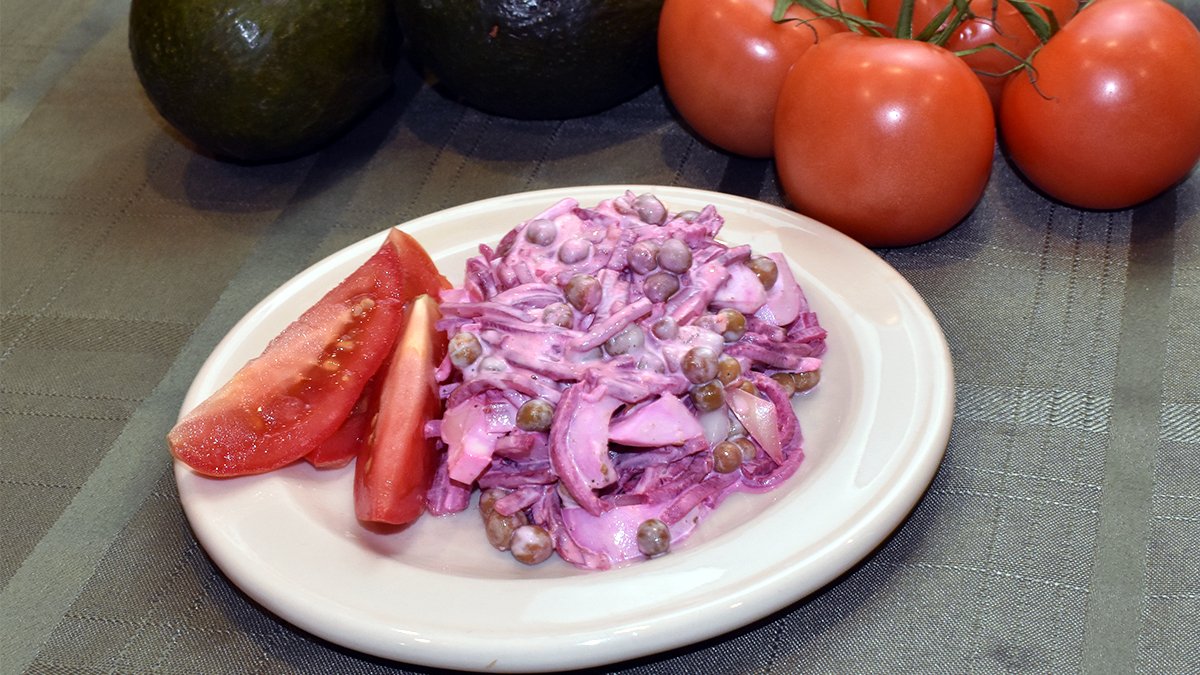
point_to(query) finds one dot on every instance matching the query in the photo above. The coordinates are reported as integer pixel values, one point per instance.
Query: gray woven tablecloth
(1061, 533)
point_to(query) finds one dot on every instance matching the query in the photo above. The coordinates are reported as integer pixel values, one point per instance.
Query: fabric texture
(1060, 534)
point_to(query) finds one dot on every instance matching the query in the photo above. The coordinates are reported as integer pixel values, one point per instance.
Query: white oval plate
(437, 595)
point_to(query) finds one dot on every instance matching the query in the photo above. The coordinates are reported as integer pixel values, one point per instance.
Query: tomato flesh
(343, 445)
(284, 403)
(395, 467)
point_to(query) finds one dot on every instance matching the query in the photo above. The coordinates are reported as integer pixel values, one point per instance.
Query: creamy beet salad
(614, 372)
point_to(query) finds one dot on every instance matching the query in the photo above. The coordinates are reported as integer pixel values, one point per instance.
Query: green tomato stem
(781, 8)
(946, 30)
(824, 10)
(1041, 28)
(904, 27)
(1022, 63)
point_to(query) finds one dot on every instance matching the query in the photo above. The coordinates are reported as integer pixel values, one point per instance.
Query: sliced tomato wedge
(395, 467)
(283, 404)
(421, 276)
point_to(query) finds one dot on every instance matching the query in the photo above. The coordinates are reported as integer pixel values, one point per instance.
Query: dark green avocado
(263, 80)
(536, 59)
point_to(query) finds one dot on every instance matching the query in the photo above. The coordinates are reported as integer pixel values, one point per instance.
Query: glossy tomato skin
(1003, 26)
(396, 466)
(1114, 118)
(890, 141)
(419, 274)
(723, 63)
(281, 405)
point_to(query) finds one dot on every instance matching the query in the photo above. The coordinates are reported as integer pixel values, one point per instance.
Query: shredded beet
(591, 404)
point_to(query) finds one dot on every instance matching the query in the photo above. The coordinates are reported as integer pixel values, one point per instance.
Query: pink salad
(614, 373)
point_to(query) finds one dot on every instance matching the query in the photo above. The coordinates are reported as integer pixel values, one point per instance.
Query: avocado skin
(536, 59)
(263, 80)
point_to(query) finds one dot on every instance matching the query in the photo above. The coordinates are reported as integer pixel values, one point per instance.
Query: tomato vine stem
(1040, 26)
(824, 10)
(1022, 62)
(940, 29)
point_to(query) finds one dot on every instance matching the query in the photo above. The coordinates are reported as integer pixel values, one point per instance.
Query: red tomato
(1114, 116)
(723, 62)
(890, 141)
(396, 465)
(1005, 27)
(285, 402)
